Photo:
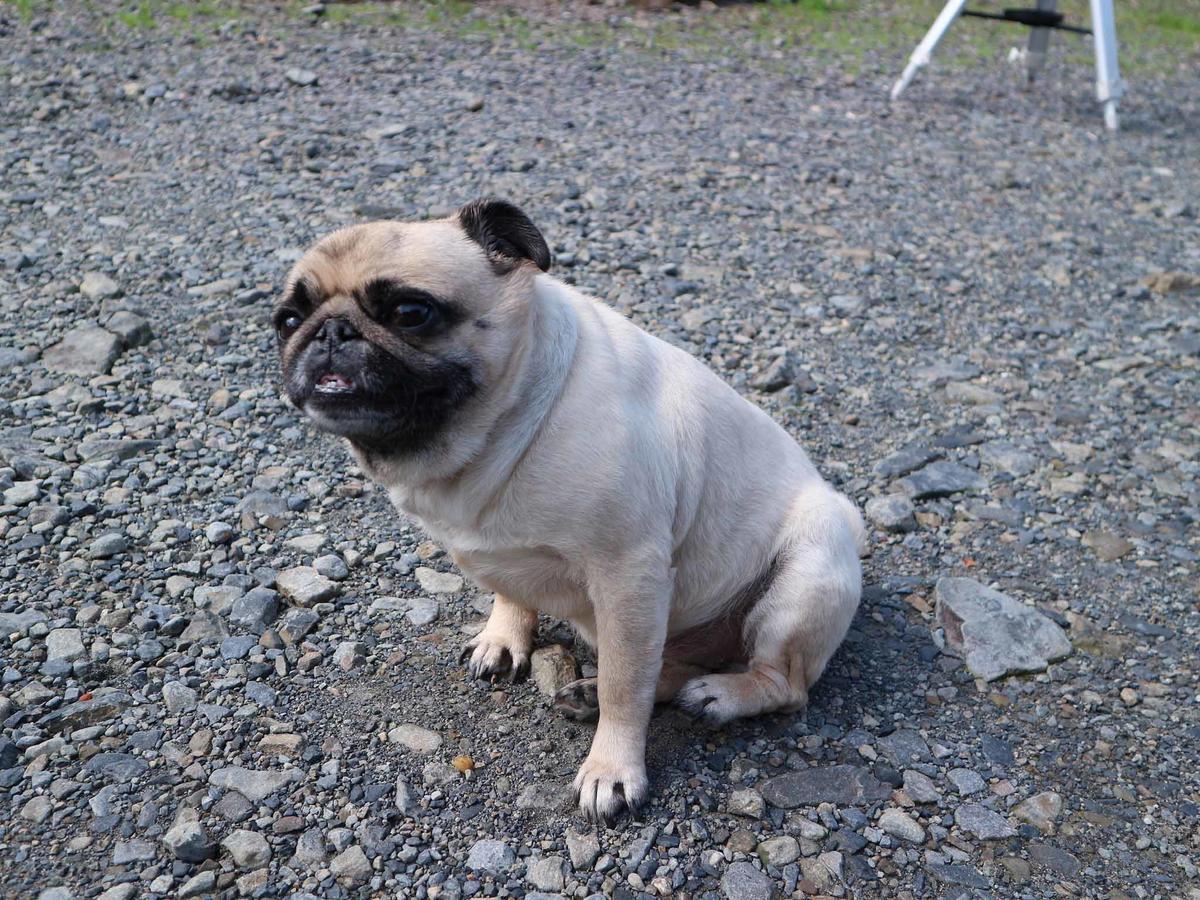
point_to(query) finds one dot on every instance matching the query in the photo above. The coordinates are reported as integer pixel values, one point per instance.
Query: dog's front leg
(504, 645)
(631, 618)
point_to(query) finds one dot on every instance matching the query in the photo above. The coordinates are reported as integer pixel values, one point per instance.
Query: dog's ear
(505, 233)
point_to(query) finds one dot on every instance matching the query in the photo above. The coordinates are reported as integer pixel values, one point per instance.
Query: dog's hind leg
(795, 626)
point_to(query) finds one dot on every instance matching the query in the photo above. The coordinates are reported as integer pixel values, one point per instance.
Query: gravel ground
(228, 667)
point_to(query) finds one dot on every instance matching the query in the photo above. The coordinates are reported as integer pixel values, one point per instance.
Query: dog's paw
(710, 699)
(604, 788)
(579, 700)
(493, 656)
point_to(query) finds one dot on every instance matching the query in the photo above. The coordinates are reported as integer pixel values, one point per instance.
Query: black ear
(505, 233)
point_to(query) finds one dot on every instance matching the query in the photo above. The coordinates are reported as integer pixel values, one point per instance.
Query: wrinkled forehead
(437, 257)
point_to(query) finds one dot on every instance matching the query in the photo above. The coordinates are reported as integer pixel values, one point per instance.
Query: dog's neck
(458, 479)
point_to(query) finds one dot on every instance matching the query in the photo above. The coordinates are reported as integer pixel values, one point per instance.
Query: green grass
(1156, 36)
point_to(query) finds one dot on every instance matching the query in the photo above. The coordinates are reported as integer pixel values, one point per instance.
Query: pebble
(892, 512)
(436, 582)
(305, 587)
(249, 849)
(742, 881)
(415, 738)
(1041, 811)
(351, 865)
(552, 668)
(490, 856)
(982, 822)
(900, 825)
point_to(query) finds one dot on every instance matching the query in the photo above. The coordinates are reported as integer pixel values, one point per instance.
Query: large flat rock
(995, 634)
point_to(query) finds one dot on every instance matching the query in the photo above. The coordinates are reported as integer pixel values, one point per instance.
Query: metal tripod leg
(1109, 86)
(941, 25)
(1039, 42)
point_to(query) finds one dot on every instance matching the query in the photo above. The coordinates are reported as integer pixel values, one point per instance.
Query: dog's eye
(286, 323)
(411, 315)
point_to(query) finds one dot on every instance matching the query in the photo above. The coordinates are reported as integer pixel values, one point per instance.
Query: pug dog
(577, 466)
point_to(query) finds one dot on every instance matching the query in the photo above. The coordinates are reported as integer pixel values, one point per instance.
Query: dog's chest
(502, 560)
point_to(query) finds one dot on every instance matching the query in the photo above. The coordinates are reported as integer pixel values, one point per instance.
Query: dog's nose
(337, 330)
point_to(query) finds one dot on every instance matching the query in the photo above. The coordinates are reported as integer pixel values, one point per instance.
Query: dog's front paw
(495, 656)
(604, 787)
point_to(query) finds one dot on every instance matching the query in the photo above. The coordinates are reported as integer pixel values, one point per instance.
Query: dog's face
(387, 330)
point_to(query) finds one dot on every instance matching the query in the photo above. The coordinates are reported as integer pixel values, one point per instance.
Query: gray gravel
(227, 667)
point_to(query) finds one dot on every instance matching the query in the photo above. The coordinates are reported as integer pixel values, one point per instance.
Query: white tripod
(1043, 20)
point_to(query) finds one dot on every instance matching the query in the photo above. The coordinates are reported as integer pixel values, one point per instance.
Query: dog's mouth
(333, 384)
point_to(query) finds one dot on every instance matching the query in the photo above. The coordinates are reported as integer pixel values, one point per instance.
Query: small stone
(255, 610)
(332, 566)
(900, 825)
(219, 533)
(982, 822)
(249, 849)
(310, 850)
(97, 286)
(22, 493)
(1107, 546)
(188, 841)
(892, 512)
(350, 655)
(307, 543)
(280, 744)
(776, 376)
(824, 871)
(552, 668)
(491, 856)
(37, 810)
(746, 802)
(940, 479)
(844, 785)
(252, 784)
(415, 738)
(548, 873)
(126, 852)
(86, 350)
(1008, 458)
(199, 884)
(905, 460)
(965, 781)
(778, 851)
(305, 587)
(996, 634)
(422, 611)
(966, 392)
(178, 697)
(107, 546)
(65, 644)
(1041, 811)
(474, 103)
(405, 802)
(1056, 859)
(301, 77)
(132, 329)
(296, 624)
(742, 881)
(352, 865)
(920, 788)
(436, 582)
(583, 848)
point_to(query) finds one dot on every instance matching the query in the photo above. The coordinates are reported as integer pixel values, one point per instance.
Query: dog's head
(387, 330)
